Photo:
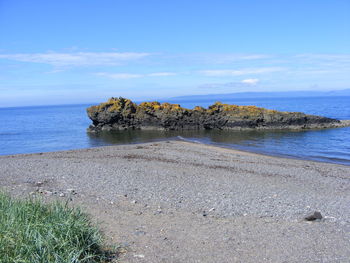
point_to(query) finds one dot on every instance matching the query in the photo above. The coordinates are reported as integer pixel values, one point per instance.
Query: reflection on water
(215, 136)
(313, 145)
(129, 136)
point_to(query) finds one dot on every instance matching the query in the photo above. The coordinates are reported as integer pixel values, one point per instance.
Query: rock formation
(122, 114)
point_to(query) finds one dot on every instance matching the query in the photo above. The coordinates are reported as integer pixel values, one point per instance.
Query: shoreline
(258, 153)
(262, 154)
(186, 202)
(282, 156)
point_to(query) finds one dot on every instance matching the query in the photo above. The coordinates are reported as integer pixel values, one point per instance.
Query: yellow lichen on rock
(112, 105)
(121, 113)
(149, 104)
(199, 108)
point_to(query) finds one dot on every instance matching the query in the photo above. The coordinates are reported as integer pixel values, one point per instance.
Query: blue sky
(82, 51)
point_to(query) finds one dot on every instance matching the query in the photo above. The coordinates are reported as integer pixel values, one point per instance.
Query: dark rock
(314, 216)
(123, 114)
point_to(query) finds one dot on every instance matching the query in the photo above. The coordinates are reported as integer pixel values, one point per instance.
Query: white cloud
(76, 59)
(119, 75)
(134, 76)
(161, 74)
(250, 81)
(325, 56)
(239, 72)
(215, 58)
(228, 58)
(253, 57)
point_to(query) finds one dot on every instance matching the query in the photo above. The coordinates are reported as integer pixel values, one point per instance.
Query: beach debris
(139, 256)
(204, 213)
(133, 201)
(314, 216)
(61, 193)
(47, 192)
(71, 191)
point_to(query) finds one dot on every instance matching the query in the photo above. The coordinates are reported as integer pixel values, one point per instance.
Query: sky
(85, 51)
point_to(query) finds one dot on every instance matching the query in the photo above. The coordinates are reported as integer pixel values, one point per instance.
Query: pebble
(159, 211)
(314, 216)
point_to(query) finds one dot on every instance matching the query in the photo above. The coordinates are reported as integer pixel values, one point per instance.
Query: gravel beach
(186, 202)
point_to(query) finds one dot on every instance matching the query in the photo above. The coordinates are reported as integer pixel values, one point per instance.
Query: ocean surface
(55, 128)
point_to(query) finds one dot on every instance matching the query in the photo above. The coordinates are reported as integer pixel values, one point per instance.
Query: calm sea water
(54, 128)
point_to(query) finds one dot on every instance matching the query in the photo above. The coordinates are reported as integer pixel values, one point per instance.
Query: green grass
(34, 232)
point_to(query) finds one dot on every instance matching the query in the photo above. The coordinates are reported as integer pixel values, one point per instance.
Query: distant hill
(289, 94)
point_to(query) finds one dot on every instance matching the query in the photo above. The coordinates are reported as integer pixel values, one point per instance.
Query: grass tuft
(33, 232)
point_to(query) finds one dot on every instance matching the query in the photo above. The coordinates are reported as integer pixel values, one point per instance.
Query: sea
(39, 129)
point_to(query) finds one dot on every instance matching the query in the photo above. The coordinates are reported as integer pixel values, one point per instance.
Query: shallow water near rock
(54, 128)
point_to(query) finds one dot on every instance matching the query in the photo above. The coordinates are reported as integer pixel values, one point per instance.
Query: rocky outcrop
(122, 114)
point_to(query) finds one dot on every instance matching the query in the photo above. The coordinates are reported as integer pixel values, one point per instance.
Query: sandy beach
(185, 202)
